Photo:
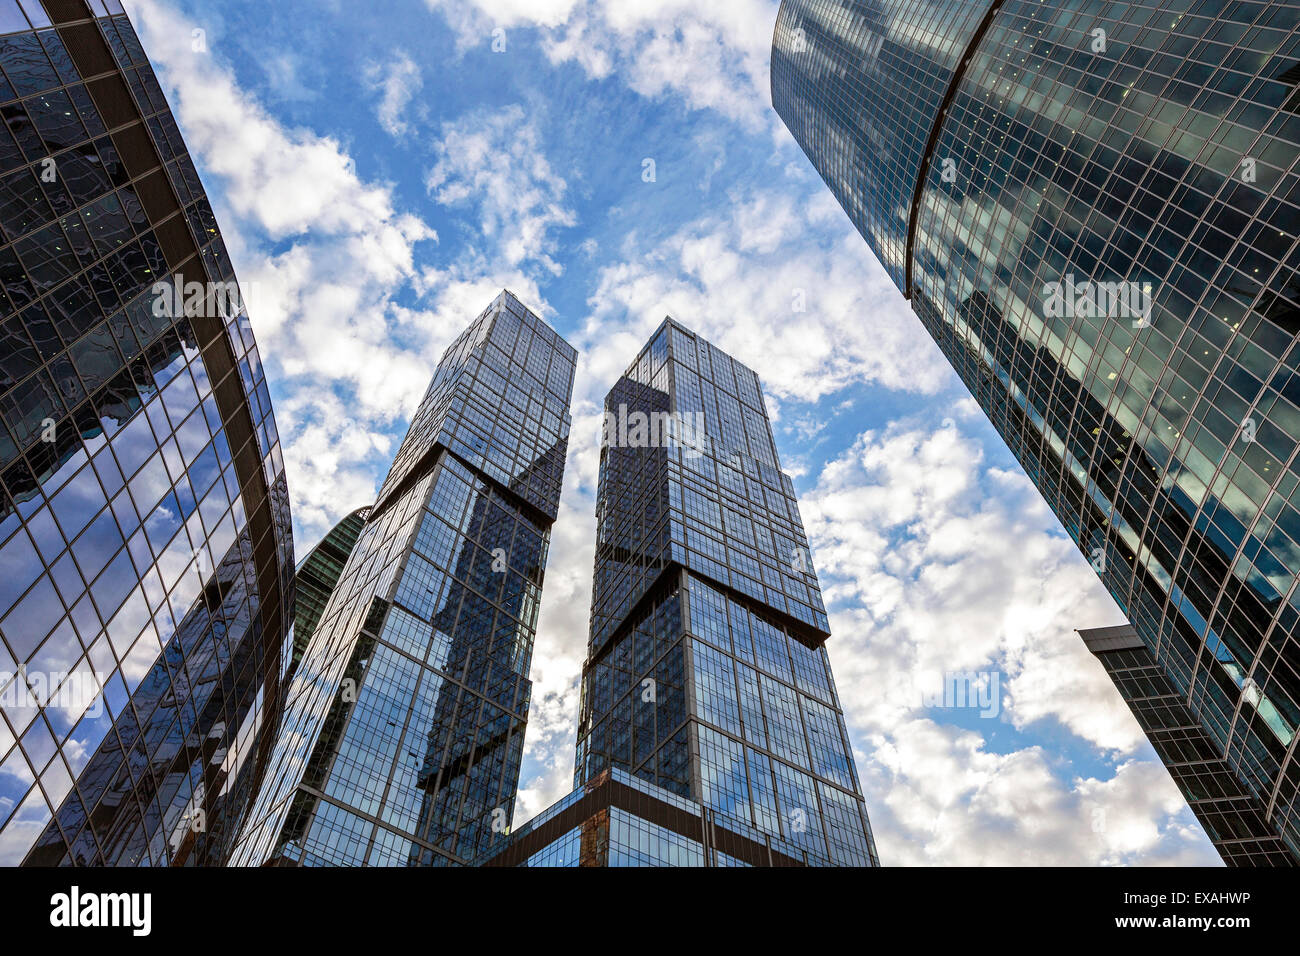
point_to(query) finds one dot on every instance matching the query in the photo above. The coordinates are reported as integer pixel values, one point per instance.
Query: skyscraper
(1234, 819)
(1093, 208)
(405, 720)
(146, 564)
(710, 732)
(317, 576)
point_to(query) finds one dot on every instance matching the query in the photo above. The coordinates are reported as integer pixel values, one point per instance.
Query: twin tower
(710, 732)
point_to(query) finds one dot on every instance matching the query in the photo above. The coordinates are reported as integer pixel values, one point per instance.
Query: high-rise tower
(146, 557)
(710, 731)
(316, 577)
(405, 720)
(1093, 209)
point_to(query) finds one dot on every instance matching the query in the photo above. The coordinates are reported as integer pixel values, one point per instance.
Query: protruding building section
(710, 730)
(146, 555)
(1093, 208)
(405, 723)
(617, 819)
(1233, 818)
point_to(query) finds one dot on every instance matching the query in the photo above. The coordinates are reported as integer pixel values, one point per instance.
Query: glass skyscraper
(405, 720)
(710, 732)
(146, 557)
(317, 576)
(1093, 207)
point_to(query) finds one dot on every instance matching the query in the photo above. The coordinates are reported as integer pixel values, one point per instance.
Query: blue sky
(378, 178)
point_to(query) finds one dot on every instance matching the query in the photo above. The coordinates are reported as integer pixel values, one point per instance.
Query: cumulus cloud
(944, 564)
(935, 564)
(320, 254)
(560, 648)
(562, 623)
(938, 797)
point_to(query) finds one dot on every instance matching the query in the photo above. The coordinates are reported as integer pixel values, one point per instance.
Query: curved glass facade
(859, 85)
(1104, 246)
(145, 548)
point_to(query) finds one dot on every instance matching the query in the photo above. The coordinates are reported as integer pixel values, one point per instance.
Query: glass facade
(317, 576)
(145, 547)
(1234, 819)
(706, 677)
(1099, 231)
(618, 820)
(405, 720)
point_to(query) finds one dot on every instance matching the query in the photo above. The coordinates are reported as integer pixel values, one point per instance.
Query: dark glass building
(1093, 207)
(317, 576)
(146, 557)
(710, 732)
(1235, 820)
(405, 722)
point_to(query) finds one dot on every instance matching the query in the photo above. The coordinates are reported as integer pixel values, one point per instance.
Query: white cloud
(562, 625)
(495, 161)
(950, 565)
(285, 181)
(487, 15)
(935, 563)
(561, 646)
(938, 797)
(323, 257)
(291, 76)
(810, 315)
(711, 55)
(397, 82)
(320, 254)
